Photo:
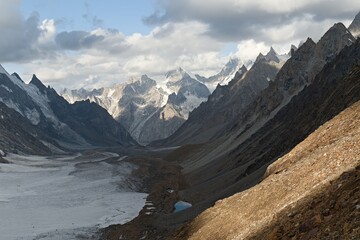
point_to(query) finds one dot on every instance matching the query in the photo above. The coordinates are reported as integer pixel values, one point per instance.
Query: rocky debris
(330, 214)
(158, 177)
(315, 169)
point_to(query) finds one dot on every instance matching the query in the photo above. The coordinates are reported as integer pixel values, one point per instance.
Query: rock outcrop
(310, 193)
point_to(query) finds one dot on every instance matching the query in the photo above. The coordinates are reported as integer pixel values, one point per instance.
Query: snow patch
(33, 116)
(64, 196)
(6, 88)
(10, 104)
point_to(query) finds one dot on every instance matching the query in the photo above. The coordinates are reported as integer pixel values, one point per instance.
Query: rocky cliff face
(227, 102)
(51, 120)
(139, 104)
(238, 161)
(253, 107)
(310, 193)
(18, 135)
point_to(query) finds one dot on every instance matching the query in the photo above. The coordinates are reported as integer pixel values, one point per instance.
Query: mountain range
(230, 141)
(244, 149)
(152, 110)
(41, 121)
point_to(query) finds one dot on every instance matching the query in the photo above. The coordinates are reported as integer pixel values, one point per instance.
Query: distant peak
(144, 77)
(308, 40)
(233, 62)
(292, 50)
(354, 27)
(272, 55)
(36, 82)
(336, 29)
(272, 51)
(260, 56)
(17, 76)
(243, 68)
(337, 32)
(176, 72)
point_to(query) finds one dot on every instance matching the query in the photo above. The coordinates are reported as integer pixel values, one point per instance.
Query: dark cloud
(76, 40)
(18, 39)
(232, 22)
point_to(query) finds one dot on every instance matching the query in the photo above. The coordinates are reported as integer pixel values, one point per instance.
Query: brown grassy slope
(304, 172)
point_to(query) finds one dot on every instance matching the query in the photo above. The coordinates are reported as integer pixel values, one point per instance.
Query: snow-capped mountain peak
(176, 75)
(226, 74)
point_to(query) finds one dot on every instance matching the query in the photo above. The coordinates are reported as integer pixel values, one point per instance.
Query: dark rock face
(226, 102)
(41, 115)
(18, 135)
(263, 91)
(90, 121)
(335, 88)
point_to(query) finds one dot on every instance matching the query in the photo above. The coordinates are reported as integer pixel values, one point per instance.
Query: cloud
(76, 40)
(18, 35)
(187, 33)
(235, 20)
(249, 49)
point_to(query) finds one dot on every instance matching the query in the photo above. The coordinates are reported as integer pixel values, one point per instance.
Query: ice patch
(33, 116)
(181, 205)
(61, 197)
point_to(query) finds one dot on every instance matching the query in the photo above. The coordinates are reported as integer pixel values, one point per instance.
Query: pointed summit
(259, 57)
(243, 69)
(293, 48)
(354, 27)
(272, 55)
(333, 41)
(176, 75)
(36, 82)
(17, 76)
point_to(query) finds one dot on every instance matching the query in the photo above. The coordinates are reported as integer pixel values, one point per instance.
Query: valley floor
(66, 197)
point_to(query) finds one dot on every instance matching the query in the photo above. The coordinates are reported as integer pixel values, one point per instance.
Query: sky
(92, 44)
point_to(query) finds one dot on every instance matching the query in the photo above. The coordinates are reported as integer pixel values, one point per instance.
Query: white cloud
(249, 49)
(188, 33)
(48, 31)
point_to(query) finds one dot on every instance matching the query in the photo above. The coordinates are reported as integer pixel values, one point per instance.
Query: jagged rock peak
(177, 71)
(333, 41)
(17, 76)
(292, 50)
(354, 27)
(243, 69)
(36, 82)
(177, 74)
(272, 55)
(233, 62)
(260, 56)
(337, 30)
